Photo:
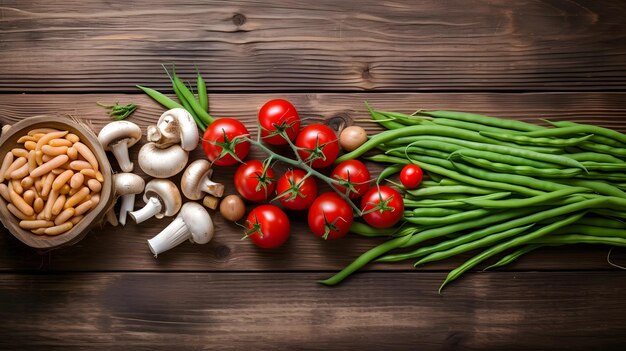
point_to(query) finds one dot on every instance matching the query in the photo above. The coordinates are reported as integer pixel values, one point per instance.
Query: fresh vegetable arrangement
(466, 181)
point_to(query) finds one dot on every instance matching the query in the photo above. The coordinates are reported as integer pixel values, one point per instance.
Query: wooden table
(524, 60)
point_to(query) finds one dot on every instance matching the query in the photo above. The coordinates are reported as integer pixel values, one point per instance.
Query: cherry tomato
(382, 207)
(254, 181)
(411, 176)
(276, 116)
(318, 143)
(298, 191)
(330, 216)
(354, 175)
(220, 143)
(267, 226)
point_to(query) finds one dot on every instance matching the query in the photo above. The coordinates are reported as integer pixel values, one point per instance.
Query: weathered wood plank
(287, 311)
(114, 249)
(321, 45)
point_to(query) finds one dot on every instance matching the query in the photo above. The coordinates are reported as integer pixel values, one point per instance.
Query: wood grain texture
(390, 311)
(126, 249)
(322, 45)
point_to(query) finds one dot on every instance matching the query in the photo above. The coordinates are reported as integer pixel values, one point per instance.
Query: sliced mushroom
(162, 163)
(193, 223)
(197, 180)
(127, 185)
(162, 199)
(117, 137)
(175, 126)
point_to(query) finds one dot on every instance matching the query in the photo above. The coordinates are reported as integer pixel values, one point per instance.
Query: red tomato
(254, 181)
(221, 145)
(267, 226)
(382, 207)
(278, 116)
(318, 143)
(330, 216)
(411, 176)
(297, 192)
(354, 176)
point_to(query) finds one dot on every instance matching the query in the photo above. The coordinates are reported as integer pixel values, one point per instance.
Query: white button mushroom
(126, 186)
(162, 199)
(175, 126)
(117, 137)
(193, 223)
(162, 163)
(197, 179)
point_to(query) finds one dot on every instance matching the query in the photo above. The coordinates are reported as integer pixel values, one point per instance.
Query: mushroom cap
(198, 221)
(177, 123)
(119, 130)
(128, 183)
(168, 195)
(193, 177)
(162, 163)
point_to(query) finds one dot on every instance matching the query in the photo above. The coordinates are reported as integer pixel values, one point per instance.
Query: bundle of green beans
(198, 106)
(502, 186)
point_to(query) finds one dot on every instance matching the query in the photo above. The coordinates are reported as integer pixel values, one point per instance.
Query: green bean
(388, 172)
(541, 141)
(382, 158)
(366, 258)
(434, 212)
(428, 183)
(605, 149)
(160, 98)
(468, 125)
(389, 135)
(472, 241)
(524, 181)
(600, 166)
(594, 157)
(454, 189)
(592, 230)
(402, 150)
(498, 248)
(609, 213)
(405, 140)
(481, 119)
(457, 176)
(383, 120)
(405, 119)
(526, 202)
(366, 230)
(578, 129)
(480, 222)
(514, 256)
(454, 218)
(515, 169)
(203, 98)
(202, 114)
(187, 106)
(602, 222)
(492, 156)
(580, 239)
(597, 138)
(451, 202)
(450, 182)
(597, 186)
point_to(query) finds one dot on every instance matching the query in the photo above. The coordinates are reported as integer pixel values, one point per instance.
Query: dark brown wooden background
(524, 60)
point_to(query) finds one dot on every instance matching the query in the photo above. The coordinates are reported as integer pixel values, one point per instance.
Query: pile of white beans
(50, 181)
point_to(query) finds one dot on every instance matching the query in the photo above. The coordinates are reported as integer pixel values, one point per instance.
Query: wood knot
(366, 73)
(339, 121)
(239, 19)
(221, 252)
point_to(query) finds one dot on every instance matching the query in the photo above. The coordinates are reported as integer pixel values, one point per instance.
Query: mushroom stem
(215, 189)
(120, 150)
(128, 204)
(173, 235)
(110, 217)
(152, 207)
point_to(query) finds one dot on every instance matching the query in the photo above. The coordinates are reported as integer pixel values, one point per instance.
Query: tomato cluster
(330, 215)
